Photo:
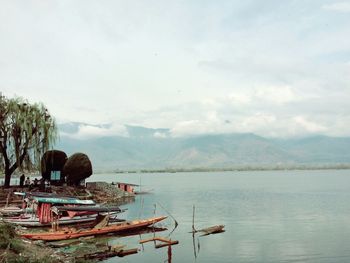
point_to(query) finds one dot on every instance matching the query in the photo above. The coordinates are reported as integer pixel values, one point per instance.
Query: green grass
(8, 238)
(14, 250)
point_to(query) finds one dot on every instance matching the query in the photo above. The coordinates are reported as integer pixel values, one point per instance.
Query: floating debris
(211, 230)
(112, 251)
(208, 230)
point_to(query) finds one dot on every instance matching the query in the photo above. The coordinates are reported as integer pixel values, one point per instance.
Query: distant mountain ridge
(147, 148)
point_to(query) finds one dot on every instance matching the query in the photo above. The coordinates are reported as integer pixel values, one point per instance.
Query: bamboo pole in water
(193, 228)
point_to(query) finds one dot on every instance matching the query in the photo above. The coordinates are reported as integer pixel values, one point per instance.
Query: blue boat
(62, 200)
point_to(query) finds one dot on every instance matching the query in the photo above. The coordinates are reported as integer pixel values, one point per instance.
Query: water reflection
(170, 254)
(194, 245)
(278, 216)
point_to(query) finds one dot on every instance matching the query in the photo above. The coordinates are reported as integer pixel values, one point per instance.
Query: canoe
(14, 210)
(97, 209)
(70, 234)
(33, 221)
(63, 200)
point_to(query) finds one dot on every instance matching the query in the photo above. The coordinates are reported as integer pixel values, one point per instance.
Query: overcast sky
(274, 68)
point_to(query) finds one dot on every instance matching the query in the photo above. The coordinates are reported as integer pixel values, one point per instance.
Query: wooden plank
(162, 239)
(146, 240)
(175, 242)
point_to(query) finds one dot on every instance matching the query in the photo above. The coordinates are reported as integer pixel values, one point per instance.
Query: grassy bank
(15, 250)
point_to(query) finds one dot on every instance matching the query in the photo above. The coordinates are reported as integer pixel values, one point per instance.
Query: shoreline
(206, 169)
(232, 169)
(16, 249)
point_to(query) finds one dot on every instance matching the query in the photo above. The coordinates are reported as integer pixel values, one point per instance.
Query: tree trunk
(10, 169)
(8, 173)
(7, 177)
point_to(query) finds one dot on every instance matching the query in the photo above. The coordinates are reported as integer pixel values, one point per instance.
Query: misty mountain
(146, 148)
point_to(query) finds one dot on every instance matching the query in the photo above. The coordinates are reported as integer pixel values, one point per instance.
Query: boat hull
(14, 210)
(34, 221)
(122, 227)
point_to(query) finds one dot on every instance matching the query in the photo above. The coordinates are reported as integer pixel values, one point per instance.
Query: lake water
(269, 216)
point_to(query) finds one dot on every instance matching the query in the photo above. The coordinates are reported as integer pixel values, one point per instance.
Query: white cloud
(276, 94)
(309, 126)
(343, 7)
(240, 98)
(192, 66)
(86, 131)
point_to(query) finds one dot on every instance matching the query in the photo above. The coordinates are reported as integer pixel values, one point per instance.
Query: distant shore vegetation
(237, 168)
(342, 166)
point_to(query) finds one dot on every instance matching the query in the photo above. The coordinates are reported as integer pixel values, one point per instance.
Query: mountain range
(144, 148)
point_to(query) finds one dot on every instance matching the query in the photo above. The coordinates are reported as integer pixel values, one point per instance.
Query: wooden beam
(175, 242)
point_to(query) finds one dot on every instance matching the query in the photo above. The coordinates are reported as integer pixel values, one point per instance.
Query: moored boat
(32, 221)
(73, 233)
(62, 200)
(73, 215)
(14, 210)
(41, 209)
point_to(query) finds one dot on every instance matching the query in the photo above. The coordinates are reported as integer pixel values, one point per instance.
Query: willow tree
(26, 132)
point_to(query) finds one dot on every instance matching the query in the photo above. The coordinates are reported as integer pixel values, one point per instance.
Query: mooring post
(193, 228)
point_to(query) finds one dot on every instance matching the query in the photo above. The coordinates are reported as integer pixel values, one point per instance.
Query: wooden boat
(76, 214)
(14, 210)
(79, 211)
(96, 209)
(70, 234)
(62, 200)
(33, 221)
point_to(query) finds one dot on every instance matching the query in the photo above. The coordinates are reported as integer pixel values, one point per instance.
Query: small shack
(130, 188)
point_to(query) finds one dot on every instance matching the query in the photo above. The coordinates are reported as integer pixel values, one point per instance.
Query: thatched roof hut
(77, 168)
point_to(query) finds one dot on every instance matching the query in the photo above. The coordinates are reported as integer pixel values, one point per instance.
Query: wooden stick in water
(193, 228)
(175, 242)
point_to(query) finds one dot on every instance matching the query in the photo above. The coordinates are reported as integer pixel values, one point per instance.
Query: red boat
(115, 228)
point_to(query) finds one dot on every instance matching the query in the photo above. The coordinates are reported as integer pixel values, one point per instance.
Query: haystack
(77, 168)
(52, 161)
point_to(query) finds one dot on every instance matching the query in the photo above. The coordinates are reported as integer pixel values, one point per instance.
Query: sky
(274, 68)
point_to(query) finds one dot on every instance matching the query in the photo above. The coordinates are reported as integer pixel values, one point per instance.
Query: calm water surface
(272, 216)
